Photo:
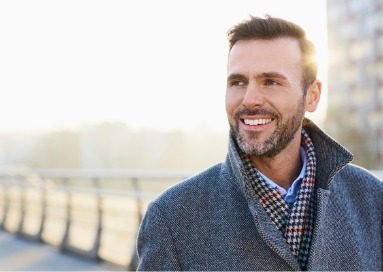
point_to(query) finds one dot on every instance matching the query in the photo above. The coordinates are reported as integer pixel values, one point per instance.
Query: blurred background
(140, 84)
(118, 100)
(125, 84)
(355, 78)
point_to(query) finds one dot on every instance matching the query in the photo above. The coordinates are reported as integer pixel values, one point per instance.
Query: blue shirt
(291, 193)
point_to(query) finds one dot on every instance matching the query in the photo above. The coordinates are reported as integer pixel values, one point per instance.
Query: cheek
(233, 100)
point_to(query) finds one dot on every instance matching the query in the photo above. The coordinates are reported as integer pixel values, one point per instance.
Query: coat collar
(331, 156)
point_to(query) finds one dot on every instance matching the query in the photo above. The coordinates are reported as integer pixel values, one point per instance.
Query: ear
(313, 96)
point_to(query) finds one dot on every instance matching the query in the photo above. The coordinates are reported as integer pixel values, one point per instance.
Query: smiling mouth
(257, 122)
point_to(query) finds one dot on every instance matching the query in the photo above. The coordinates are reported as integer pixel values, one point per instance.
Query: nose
(253, 97)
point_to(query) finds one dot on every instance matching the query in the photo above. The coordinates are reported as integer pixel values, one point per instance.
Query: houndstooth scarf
(296, 223)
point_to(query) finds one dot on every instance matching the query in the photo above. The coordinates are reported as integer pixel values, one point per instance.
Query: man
(286, 197)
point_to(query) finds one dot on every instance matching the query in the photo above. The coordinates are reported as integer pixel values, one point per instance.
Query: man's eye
(270, 82)
(237, 83)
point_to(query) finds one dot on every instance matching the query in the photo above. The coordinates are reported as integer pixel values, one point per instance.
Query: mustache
(260, 111)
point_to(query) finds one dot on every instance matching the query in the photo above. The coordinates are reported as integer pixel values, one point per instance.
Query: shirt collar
(295, 185)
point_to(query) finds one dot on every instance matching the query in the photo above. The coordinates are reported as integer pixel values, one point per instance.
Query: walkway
(17, 254)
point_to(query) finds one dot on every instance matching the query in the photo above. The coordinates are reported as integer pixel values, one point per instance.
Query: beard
(249, 141)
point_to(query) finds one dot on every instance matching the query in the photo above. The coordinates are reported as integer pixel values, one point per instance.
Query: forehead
(276, 55)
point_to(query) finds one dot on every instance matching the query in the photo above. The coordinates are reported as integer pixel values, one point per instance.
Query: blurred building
(355, 78)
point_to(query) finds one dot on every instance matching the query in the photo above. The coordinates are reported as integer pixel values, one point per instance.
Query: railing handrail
(101, 173)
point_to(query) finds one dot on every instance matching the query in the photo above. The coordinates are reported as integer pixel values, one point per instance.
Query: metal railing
(95, 214)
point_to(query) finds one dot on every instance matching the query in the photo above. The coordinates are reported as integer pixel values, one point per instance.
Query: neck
(283, 168)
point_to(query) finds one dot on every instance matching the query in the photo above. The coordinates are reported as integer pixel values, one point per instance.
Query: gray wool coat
(210, 222)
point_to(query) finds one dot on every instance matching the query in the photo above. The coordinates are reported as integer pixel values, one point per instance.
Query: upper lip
(253, 117)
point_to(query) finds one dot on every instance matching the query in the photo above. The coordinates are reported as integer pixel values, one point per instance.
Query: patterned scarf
(296, 223)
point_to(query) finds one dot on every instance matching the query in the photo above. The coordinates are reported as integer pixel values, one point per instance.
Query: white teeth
(256, 121)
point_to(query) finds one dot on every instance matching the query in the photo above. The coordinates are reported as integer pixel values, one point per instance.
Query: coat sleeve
(155, 245)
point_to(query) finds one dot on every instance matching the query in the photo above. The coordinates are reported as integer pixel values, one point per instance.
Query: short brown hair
(270, 28)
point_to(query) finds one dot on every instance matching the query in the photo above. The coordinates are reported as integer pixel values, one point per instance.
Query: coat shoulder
(195, 188)
(354, 173)
(358, 180)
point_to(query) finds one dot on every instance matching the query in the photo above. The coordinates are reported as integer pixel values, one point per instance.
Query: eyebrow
(272, 75)
(262, 75)
(235, 76)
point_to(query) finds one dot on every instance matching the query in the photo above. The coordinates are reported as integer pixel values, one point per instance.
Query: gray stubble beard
(276, 142)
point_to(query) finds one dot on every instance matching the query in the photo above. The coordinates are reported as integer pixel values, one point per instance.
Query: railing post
(5, 184)
(68, 220)
(24, 187)
(19, 231)
(134, 258)
(137, 193)
(43, 200)
(97, 240)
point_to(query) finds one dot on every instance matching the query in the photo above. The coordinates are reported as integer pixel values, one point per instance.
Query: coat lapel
(269, 232)
(322, 200)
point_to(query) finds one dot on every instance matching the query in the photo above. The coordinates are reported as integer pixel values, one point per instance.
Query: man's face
(265, 103)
